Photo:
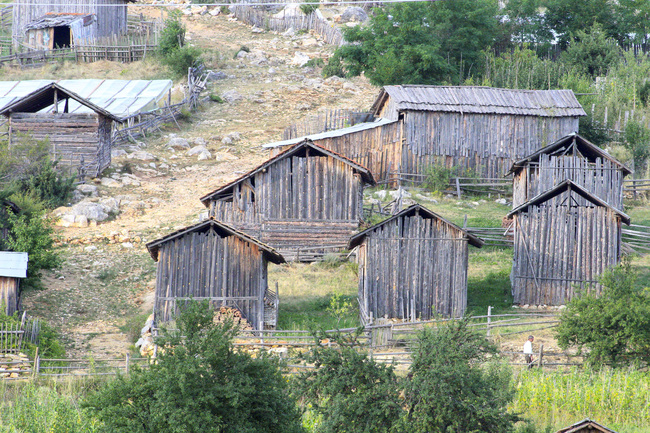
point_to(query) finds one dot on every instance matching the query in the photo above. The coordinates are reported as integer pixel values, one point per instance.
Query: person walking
(528, 351)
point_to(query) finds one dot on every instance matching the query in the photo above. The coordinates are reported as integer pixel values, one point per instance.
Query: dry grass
(145, 70)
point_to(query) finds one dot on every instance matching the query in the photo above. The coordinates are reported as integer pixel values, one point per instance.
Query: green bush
(199, 383)
(43, 181)
(308, 7)
(615, 326)
(180, 60)
(437, 178)
(172, 36)
(216, 98)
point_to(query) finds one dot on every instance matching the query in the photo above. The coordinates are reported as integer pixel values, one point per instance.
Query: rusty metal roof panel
(484, 100)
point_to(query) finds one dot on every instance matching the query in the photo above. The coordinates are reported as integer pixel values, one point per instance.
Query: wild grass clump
(614, 398)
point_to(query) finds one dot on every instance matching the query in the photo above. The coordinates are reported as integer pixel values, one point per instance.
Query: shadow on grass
(492, 289)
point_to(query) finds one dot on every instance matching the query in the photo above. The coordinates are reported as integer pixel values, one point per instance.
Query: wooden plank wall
(485, 143)
(71, 136)
(9, 295)
(559, 248)
(226, 270)
(602, 178)
(413, 268)
(315, 200)
(111, 14)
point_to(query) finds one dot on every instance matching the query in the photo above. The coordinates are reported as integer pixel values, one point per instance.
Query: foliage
(591, 52)
(334, 66)
(349, 391)
(423, 43)
(41, 180)
(308, 7)
(340, 306)
(172, 36)
(41, 409)
(177, 56)
(615, 326)
(49, 345)
(565, 18)
(455, 386)
(216, 98)
(555, 398)
(437, 178)
(34, 235)
(637, 140)
(199, 383)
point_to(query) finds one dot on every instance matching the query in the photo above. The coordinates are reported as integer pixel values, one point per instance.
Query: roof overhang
(412, 210)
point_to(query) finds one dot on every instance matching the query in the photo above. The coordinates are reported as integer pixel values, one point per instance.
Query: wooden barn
(564, 239)
(13, 268)
(571, 157)
(303, 202)
(212, 261)
(43, 25)
(376, 145)
(75, 139)
(413, 266)
(586, 426)
(478, 128)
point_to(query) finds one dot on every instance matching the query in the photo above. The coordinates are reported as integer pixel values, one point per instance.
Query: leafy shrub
(437, 178)
(199, 383)
(34, 235)
(637, 140)
(172, 36)
(334, 67)
(316, 62)
(49, 345)
(216, 98)
(43, 181)
(180, 60)
(308, 7)
(615, 326)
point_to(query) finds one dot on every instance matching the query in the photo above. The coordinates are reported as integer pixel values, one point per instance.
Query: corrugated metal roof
(332, 134)
(119, 97)
(13, 264)
(481, 100)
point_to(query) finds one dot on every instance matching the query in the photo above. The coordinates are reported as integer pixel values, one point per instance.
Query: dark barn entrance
(61, 37)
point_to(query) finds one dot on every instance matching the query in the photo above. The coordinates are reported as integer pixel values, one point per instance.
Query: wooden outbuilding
(77, 140)
(475, 128)
(43, 25)
(413, 266)
(213, 261)
(304, 202)
(586, 426)
(13, 268)
(564, 239)
(571, 157)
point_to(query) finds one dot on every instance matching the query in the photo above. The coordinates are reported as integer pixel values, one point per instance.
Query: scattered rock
(381, 194)
(225, 157)
(90, 248)
(111, 183)
(92, 211)
(299, 59)
(501, 201)
(291, 32)
(226, 140)
(127, 245)
(178, 143)
(200, 141)
(399, 192)
(354, 14)
(116, 153)
(205, 155)
(231, 96)
(292, 10)
(142, 156)
(257, 30)
(217, 75)
(196, 150)
(89, 190)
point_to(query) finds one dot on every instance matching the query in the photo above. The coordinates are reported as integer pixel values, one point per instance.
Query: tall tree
(422, 42)
(565, 18)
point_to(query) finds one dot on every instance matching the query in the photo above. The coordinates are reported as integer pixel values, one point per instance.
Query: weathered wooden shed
(571, 157)
(75, 139)
(303, 202)
(586, 426)
(376, 145)
(213, 261)
(479, 128)
(50, 24)
(13, 267)
(413, 266)
(564, 239)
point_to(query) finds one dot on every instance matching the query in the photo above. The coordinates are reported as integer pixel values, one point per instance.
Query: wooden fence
(264, 20)
(636, 188)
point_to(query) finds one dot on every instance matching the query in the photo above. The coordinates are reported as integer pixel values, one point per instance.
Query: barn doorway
(61, 37)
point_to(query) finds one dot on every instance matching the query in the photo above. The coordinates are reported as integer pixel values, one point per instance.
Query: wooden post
(126, 364)
(457, 187)
(489, 319)
(541, 353)
(36, 364)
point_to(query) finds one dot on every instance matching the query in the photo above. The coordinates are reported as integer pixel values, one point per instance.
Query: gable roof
(44, 97)
(223, 230)
(54, 19)
(584, 426)
(569, 145)
(13, 265)
(564, 186)
(415, 209)
(481, 100)
(363, 171)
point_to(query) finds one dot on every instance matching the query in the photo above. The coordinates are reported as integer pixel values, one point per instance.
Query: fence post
(458, 187)
(541, 353)
(489, 319)
(126, 367)
(36, 364)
